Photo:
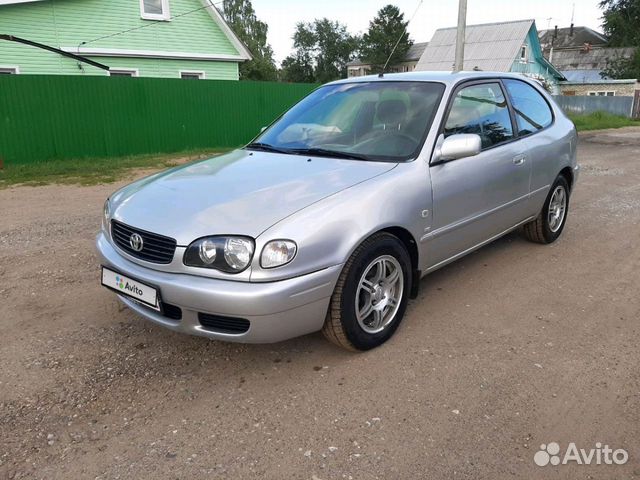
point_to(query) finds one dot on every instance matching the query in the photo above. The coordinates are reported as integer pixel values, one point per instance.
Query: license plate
(134, 289)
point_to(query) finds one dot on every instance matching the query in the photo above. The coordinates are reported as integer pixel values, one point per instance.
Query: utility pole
(462, 23)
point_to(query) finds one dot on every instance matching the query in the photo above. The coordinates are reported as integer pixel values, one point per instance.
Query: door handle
(519, 160)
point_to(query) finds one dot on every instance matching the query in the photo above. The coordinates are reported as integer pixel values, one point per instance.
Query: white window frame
(524, 58)
(164, 16)
(12, 70)
(201, 74)
(133, 71)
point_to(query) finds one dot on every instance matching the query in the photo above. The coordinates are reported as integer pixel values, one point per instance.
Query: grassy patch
(601, 120)
(93, 171)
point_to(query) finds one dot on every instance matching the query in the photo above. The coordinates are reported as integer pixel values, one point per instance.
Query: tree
(621, 23)
(322, 49)
(242, 19)
(384, 31)
(335, 47)
(623, 67)
(299, 67)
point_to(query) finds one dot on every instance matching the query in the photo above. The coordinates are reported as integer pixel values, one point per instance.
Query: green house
(146, 38)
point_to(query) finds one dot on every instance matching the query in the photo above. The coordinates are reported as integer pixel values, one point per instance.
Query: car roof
(449, 78)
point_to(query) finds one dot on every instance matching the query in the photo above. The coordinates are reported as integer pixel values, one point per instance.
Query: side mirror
(457, 146)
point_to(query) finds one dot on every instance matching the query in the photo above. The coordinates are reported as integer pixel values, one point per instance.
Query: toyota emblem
(136, 242)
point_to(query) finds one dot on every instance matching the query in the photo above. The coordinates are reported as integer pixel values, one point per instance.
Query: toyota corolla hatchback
(331, 216)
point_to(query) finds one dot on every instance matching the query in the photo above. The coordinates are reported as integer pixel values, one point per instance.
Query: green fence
(44, 118)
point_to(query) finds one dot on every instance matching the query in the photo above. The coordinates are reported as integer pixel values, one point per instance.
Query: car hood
(240, 193)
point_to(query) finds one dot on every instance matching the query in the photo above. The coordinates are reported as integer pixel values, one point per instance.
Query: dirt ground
(515, 346)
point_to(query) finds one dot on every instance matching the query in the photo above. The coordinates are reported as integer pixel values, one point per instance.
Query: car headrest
(391, 111)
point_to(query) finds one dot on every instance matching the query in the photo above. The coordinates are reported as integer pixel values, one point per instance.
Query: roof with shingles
(594, 59)
(489, 47)
(569, 37)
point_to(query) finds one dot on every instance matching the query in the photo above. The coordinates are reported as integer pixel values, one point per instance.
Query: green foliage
(322, 49)
(622, 67)
(299, 67)
(335, 48)
(621, 23)
(242, 19)
(601, 120)
(384, 31)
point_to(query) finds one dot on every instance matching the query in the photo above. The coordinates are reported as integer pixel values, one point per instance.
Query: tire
(545, 228)
(363, 277)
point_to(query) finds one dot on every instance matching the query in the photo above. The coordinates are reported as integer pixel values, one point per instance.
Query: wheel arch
(411, 245)
(567, 173)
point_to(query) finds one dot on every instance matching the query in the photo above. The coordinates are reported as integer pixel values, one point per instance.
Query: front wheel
(548, 226)
(371, 295)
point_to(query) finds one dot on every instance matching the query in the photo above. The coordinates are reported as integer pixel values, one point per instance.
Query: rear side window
(480, 109)
(532, 110)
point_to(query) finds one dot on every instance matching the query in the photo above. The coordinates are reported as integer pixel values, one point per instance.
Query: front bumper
(276, 310)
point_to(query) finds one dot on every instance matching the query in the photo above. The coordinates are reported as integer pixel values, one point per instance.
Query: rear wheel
(371, 295)
(548, 226)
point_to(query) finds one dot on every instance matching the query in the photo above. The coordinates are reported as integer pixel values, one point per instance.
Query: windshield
(385, 121)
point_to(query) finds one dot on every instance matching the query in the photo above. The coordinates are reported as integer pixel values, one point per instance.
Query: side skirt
(475, 247)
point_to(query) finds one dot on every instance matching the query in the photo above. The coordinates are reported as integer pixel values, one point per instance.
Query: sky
(282, 15)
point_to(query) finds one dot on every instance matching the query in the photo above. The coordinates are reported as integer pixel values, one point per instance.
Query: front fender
(329, 231)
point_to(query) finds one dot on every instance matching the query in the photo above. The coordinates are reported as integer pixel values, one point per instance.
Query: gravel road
(515, 346)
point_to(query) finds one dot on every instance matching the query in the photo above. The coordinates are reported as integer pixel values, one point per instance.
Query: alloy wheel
(557, 208)
(379, 294)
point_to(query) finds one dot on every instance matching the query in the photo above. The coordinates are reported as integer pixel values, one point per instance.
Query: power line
(152, 23)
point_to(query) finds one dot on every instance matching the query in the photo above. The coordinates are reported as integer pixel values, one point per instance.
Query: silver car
(332, 215)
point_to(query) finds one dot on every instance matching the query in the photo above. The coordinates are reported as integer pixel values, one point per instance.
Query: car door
(533, 116)
(477, 198)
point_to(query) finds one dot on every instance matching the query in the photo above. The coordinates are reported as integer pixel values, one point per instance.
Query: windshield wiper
(323, 152)
(265, 147)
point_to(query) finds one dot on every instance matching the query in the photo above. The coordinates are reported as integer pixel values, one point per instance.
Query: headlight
(208, 252)
(238, 253)
(106, 215)
(277, 253)
(227, 254)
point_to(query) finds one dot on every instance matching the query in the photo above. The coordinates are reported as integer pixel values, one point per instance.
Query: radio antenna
(400, 38)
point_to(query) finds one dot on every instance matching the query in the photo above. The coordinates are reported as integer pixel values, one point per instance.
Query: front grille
(156, 248)
(220, 324)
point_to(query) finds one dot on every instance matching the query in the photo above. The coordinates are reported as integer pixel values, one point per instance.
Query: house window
(155, 9)
(192, 75)
(123, 72)
(523, 54)
(9, 70)
(602, 94)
